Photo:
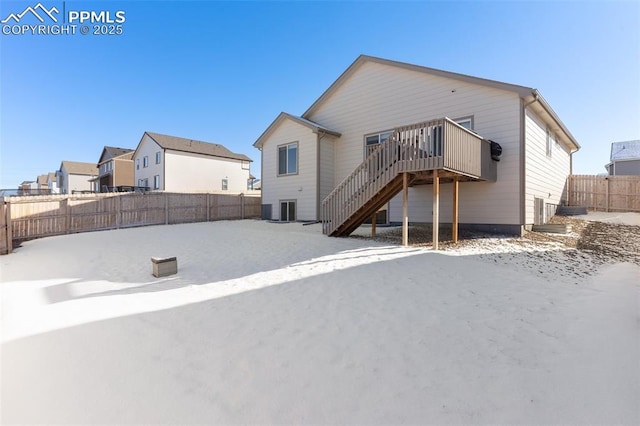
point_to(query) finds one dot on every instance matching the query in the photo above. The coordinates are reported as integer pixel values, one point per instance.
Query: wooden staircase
(438, 144)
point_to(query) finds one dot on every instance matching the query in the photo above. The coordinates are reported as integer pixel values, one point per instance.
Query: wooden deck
(426, 153)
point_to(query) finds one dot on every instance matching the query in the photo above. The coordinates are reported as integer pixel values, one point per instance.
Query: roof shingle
(197, 147)
(77, 168)
(627, 150)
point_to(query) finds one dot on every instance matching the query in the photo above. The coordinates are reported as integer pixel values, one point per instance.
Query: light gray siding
(379, 97)
(546, 176)
(629, 167)
(300, 187)
(327, 161)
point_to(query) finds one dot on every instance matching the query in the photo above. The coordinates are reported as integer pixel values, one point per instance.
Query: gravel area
(574, 256)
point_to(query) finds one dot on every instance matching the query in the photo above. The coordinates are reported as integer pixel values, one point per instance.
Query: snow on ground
(277, 324)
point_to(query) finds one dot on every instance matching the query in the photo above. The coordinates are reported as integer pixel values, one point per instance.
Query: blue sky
(222, 71)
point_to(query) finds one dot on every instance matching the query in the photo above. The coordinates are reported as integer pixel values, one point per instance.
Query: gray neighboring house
(624, 159)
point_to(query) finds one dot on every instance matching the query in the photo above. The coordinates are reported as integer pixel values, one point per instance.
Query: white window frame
(466, 119)
(158, 157)
(551, 140)
(145, 162)
(287, 148)
(225, 184)
(372, 139)
(156, 182)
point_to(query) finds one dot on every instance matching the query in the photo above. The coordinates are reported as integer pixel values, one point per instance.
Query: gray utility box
(163, 266)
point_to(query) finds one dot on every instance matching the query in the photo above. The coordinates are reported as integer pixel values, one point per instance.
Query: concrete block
(164, 266)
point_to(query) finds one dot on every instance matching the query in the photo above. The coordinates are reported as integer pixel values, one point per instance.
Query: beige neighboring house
(624, 159)
(115, 170)
(74, 176)
(170, 163)
(43, 185)
(498, 150)
(52, 183)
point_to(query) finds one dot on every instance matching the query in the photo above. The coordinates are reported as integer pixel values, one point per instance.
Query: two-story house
(115, 170)
(171, 163)
(423, 144)
(75, 176)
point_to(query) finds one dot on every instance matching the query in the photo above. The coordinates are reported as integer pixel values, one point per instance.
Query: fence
(604, 193)
(23, 218)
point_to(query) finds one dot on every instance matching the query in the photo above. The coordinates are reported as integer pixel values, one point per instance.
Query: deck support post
(373, 225)
(436, 208)
(454, 224)
(405, 209)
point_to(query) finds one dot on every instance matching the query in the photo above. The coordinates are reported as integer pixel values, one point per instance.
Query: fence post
(166, 208)
(608, 197)
(208, 207)
(8, 234)
(118, 212)
(64, 206)
(241, 206)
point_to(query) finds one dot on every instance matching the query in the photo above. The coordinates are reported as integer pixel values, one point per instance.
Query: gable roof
(315, 127)
(42, 179)
(626, 150)
(109, 152)
(77, 168)
(175, 143)
(521, 90)
(53, 176)
(529, 94)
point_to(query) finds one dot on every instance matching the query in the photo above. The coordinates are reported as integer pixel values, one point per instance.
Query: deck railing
(430, 145)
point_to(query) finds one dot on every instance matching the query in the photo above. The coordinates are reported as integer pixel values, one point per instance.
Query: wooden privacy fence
(24, 218)
(604, 193)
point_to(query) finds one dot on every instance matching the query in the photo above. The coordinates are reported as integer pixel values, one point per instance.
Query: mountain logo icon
(43, 11)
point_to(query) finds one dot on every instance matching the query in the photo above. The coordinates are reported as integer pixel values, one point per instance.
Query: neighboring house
(170, 163)
(52, 183)
(382, 118)
(74, 176)
(255, 184)
(624, 159)
(43, 186)
(28, 187)
(115, 169)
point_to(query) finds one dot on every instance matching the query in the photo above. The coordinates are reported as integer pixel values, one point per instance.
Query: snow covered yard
(277, 324)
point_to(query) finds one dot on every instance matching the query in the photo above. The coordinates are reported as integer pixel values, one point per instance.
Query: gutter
(537, 97)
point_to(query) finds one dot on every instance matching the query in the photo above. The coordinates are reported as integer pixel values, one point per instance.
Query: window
(137, 164)
(156, 182)
(551, 140)
(145, 161)
(466, 122)
(370, 141)
(287, 211)
(225, 184)
(158, 157)
(288, 159)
